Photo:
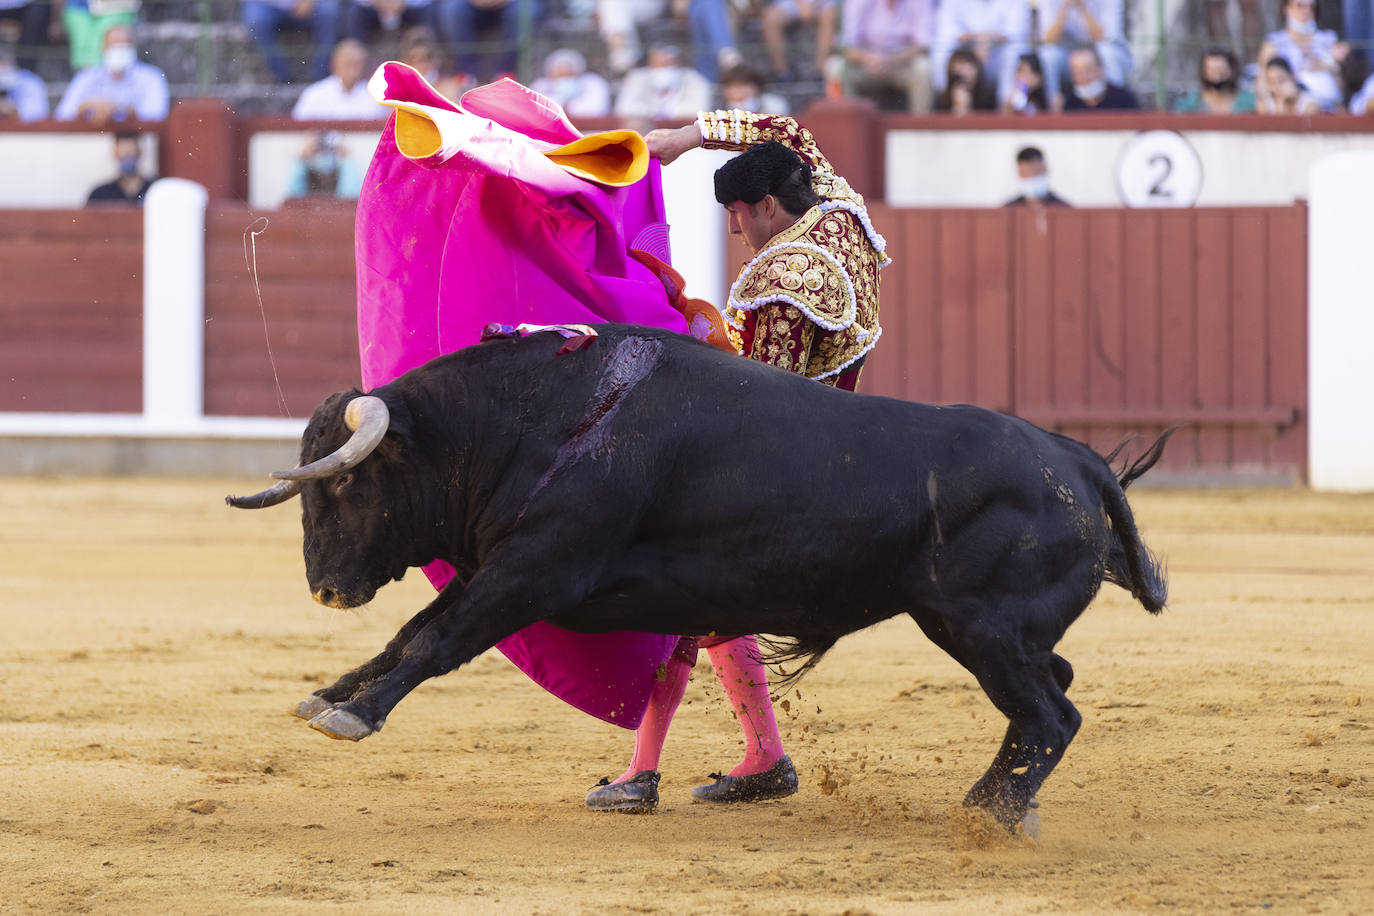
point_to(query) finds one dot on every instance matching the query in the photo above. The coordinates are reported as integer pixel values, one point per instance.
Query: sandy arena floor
(151, 641)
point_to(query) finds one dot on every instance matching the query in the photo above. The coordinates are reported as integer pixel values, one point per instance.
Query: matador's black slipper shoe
(778, 781)
(636, 795)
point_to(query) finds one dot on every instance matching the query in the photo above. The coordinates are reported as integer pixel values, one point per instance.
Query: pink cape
(484, 227)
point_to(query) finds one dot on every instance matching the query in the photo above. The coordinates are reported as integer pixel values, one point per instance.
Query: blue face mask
(1036, 187)
(128, 165)
(323, 161)
(1302, 26)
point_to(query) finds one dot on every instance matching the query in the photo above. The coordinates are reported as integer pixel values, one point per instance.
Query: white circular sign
(1158, 168)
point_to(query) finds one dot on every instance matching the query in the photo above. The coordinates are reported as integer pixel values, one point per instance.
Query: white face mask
(119, 58)
(664, 79)
(1091, 90)
(1036, 186)
(564, 88)
(1302, 26)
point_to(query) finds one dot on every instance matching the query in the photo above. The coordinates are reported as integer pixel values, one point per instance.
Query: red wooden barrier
(283, 357)
(71, 310)
(1098, 323)
(1101, 323)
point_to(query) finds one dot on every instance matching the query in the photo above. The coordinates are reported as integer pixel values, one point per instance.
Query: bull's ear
(279, 492)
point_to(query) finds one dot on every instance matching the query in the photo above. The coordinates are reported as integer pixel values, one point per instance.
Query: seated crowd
(665, 59)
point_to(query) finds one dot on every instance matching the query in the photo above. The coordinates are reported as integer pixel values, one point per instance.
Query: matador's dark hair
(769, 168)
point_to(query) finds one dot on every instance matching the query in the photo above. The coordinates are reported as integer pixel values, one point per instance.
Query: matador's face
(758, 222)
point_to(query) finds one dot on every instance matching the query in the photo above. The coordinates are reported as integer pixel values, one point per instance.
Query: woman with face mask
(1219, 92)
(1314, 55)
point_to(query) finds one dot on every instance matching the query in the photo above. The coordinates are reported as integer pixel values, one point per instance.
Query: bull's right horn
(369, 418)
(279, 492)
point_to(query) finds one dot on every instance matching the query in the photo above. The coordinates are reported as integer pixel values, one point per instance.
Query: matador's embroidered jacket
(808, 302)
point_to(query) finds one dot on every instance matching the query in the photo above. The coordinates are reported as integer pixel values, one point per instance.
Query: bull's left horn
(368, 417)
(279, 492)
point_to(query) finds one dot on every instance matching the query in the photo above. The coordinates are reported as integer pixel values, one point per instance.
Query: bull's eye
(342, 482)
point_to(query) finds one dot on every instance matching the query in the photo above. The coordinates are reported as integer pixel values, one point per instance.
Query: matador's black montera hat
(757, 172)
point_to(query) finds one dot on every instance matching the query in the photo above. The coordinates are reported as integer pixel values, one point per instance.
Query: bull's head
(351, 547)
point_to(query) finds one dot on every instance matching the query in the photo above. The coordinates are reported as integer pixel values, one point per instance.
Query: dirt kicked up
(152, 641)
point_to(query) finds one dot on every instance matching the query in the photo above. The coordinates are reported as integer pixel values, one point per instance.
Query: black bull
(649, 482)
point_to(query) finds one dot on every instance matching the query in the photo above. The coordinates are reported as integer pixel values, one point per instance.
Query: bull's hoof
(311, 707)
(1030, 822)
(341, 724)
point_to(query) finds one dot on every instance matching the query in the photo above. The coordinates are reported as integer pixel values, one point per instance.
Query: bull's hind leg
(1028, 688)
(1042, 722)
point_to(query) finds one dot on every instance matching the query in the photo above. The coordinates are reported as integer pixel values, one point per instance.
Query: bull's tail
(1130, 564)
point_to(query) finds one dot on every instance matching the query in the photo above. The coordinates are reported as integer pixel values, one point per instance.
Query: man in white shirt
(23, 97)
(343, 95)
(119, 88)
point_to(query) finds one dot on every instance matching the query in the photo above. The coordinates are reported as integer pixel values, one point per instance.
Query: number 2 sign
(1158, 168)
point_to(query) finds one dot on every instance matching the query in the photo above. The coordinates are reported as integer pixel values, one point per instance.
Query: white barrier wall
(59, 170)
(695, 222)
(271, 154)
(977, 168)
(1340, 335)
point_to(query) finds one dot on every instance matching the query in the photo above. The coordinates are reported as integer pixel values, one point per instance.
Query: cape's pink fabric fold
(487, 228)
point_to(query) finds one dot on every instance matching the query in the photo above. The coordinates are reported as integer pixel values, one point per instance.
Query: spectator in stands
(1278, 92)
(567, 82)
(966, 87)
(662, 89)
(777, 15)
(420, 49)
(1357, 17)
(264, 19)
(120, 88)
(86, 26)
(998, 31)
(1314, 56)
(325, 169)
(363, 17)
(1067, 24)
(1362, 102)
(1250, 15)
(1091, 91)
(708, 21)
(343, 95)
(129, 185)
(1033, 176)
(27, 22)
(467, 23)
(742, 87)
(1220, 92)
(23, 97)
(887, 52)
(1028, 95)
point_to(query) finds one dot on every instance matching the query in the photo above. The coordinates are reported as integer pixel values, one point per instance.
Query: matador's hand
(667, 143)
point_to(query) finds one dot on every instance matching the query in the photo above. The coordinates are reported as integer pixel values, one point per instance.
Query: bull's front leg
(465, 623)
(345, 687)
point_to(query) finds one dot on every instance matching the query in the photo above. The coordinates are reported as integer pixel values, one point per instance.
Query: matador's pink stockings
(745, 681)
(663, 702)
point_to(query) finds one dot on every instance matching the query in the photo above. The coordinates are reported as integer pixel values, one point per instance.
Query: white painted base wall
(1340, 335)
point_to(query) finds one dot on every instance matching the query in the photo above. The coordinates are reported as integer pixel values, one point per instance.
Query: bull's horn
(279, 492)
(368, 417)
